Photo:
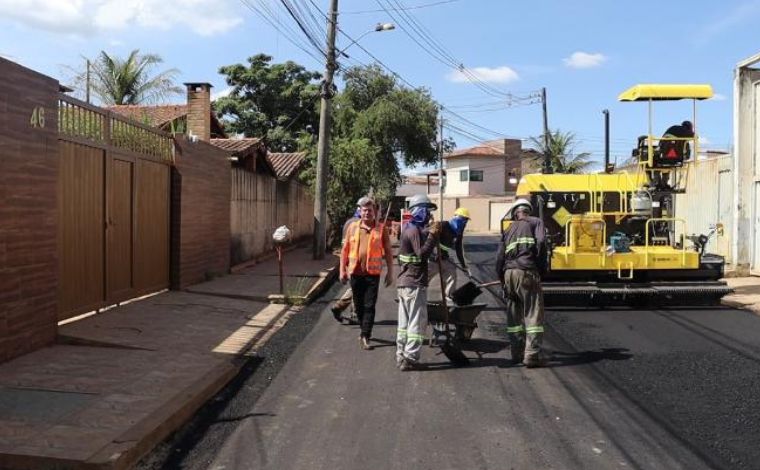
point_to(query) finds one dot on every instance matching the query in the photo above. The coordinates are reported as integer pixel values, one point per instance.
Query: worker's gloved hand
(435, 229)
(344, 277)
(388, 279)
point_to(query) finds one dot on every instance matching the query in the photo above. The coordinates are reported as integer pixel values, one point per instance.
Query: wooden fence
(260, 204)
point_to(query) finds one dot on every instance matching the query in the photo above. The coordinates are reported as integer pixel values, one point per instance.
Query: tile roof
(161, 115)
(286, 164)
(237, 145)
(477, 151)
(155, 116)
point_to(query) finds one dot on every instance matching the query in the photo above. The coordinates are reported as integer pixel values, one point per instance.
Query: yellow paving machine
(613, 237)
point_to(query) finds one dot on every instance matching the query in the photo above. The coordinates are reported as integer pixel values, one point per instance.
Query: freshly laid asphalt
(648, 389)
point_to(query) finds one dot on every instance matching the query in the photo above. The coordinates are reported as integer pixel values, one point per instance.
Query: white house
(488, 169)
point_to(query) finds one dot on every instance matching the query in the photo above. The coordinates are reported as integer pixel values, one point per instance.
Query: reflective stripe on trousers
(525, 310)
(412, 322)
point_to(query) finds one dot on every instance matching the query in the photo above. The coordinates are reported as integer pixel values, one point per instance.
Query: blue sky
(584, 52)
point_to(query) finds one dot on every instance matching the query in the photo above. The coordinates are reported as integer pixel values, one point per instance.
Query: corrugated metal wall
(708, 201)
(260, 204)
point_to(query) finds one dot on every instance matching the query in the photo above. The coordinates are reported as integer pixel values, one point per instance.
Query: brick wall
(28, 210)
(199, 110)
(200, 225)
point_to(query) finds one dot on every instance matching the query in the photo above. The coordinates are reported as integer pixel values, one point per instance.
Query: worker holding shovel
(415, 247)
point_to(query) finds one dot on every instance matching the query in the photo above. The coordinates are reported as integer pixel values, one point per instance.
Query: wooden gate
(114, 208)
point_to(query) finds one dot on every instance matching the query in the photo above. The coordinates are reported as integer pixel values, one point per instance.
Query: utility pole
(607, 168)
(440, 167)
(547, 158)
(87, 83)
(323, 147)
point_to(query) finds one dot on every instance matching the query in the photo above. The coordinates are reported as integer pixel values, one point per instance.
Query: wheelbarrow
(462, 317)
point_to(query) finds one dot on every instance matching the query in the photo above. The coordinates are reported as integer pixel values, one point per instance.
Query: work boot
(365, 343)
(535, 360)
(337, 314)
(517, 353)
(413, 365)
(404, 365)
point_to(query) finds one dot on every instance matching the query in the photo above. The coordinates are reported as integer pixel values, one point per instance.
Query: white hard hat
(421, 200)
(519, 203)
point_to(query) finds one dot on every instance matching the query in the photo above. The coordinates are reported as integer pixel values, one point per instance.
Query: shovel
(449, 348)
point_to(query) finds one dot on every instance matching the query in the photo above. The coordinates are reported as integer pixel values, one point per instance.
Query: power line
(299, 21)
(316, 27)
(434, 48)
(462, 120)
(283, 29)
(413, 7)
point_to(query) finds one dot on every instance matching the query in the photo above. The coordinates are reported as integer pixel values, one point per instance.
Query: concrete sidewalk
(119, 382)
(746, 293)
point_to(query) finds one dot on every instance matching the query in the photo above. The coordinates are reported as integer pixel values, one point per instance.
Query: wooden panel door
(80, 230)
(119, 229)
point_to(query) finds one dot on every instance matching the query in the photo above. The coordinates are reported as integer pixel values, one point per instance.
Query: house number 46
(38, 117)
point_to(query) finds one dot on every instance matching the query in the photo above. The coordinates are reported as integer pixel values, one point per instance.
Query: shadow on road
(562, 358)
(382, 343)
(484, 346)
(556, 358)
(244, 417)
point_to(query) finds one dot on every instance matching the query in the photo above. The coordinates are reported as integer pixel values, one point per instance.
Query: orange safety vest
(375, 250)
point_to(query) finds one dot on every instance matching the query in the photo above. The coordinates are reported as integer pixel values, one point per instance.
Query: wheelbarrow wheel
(463, 333)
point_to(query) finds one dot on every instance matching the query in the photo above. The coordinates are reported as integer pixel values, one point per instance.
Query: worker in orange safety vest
(366, 243)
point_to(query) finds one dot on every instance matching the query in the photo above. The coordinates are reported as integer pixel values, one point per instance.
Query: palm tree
(117, 80)
(561, 151)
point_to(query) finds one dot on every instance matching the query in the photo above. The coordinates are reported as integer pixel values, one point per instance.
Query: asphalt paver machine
(614, 238)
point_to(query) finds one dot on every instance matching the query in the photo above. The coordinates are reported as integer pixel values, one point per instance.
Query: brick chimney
(199, 110)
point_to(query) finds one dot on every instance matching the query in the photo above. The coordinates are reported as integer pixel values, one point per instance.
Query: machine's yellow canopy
(582, 183)
(664, 92)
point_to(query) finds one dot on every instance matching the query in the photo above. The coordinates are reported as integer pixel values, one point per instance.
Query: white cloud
(85, 17)
(501, 74)
(741, 14)
(718, 97)
(221, 93)
(584, 60)
(703, 140)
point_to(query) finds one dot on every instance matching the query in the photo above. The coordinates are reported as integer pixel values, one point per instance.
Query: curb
(326, 279)
(144, 436)
(125, 450)
(752, 308)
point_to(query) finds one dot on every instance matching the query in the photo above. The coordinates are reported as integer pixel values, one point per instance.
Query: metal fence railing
(82, 121)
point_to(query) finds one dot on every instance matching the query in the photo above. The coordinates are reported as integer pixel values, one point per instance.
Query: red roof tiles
(286, 164)
(477, 151)
(237, 146)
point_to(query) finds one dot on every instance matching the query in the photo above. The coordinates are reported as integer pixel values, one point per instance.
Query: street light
(380, 27)
(323, 145)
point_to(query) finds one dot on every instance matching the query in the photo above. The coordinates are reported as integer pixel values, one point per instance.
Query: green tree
(275, 101)
(561, 151)
(130, 80)
(377, 124)
(353, 163)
